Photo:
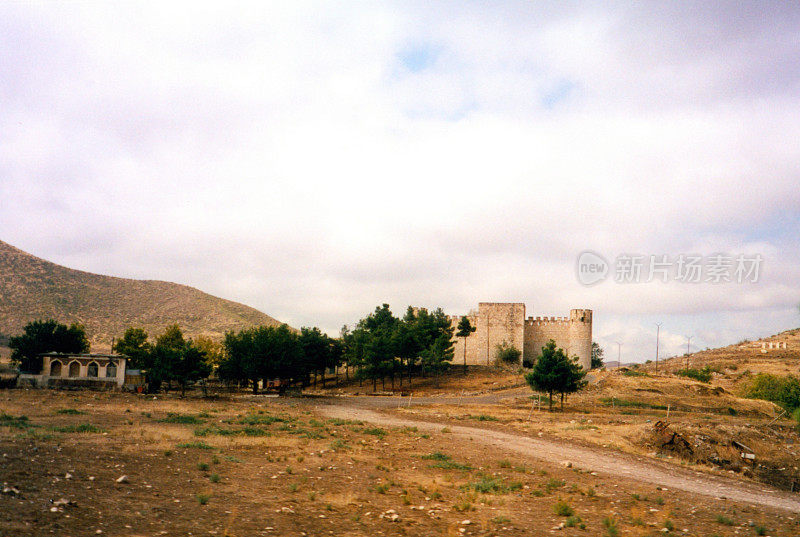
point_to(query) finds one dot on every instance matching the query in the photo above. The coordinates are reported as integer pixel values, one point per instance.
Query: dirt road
(615, 464)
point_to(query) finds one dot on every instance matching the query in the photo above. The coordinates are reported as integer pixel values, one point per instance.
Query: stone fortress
(498, 322)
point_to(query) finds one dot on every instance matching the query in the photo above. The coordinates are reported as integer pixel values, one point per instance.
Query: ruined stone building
(505, 322)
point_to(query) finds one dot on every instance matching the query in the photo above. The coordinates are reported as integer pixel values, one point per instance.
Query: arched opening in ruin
(74, 369)
(111, 370)
(92, 370)
(55, 368)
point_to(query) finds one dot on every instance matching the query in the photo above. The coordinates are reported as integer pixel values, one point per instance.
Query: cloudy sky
(316, 159)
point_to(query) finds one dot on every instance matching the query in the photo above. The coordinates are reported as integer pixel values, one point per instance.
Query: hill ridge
(34, 288)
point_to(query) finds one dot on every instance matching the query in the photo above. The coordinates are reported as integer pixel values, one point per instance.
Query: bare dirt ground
(592, 459)
(244, 466)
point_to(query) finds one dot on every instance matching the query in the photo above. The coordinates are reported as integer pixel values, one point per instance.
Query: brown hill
(32, 288)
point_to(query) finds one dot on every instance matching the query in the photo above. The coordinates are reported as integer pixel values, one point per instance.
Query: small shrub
(202, 466)
(382, 489)
(82, 428)
(635, 373)
(504, 464)
(437, 456)
(493, 485)
(562, 508)
(554, 484)
(760, 530)
(463, 506)
(702, 375)
(376, 431)
(574, 521)
(507, 354)
(668, 525)
(483, 417)
(293, 487)
(214, 478)
(186, 419)
(193, 445)
(202, 499)
(610, 525)
(784, 391)
(19, 422)
(725, 521)
(658, 500)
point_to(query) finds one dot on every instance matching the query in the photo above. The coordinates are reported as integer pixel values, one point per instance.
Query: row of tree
(382, 345)
(267, 353)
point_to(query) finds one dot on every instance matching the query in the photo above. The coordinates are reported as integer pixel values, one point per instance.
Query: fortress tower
(505, 322)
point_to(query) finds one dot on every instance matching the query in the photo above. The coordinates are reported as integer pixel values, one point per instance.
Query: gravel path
(598, 460)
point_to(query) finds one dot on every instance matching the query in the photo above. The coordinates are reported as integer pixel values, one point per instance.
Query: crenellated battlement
(535, 321)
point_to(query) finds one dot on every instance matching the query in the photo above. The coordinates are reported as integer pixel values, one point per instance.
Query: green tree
(263, 352)
(167, 351)
(135, 346)
(554, 372)
(465, 328)
(39, 337)
(191, 365)
(597, 356)
(377, 337)
(316, 349)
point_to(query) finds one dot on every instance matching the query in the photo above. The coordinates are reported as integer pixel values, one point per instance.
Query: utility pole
(658, 333)
(619, 354)
(688, 343)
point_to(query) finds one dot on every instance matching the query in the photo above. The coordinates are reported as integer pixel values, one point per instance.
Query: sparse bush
(783, 391)
(82, 428)
(725, 520)
(202, 466)
(437, 456)
(494, 485)
(375, 431)
(202, 499)
(760, 530)
(483, 417)
(702, 375)
(562, 508)
(506, 353)
(214, 478)
(193, 445)
(610, 525)
(668, 525)
(19, 422)
(574, 521)
(186, 419)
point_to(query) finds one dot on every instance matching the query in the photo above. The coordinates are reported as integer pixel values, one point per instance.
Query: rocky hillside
(32, 288)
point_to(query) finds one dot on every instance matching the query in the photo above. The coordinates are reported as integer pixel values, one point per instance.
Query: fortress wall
(573, 334)
(540, 330)
(495, 322)
(499, 322)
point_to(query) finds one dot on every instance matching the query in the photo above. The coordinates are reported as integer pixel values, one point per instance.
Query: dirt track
(611, 463)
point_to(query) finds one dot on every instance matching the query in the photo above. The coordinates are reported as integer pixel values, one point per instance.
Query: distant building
(82, 370)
